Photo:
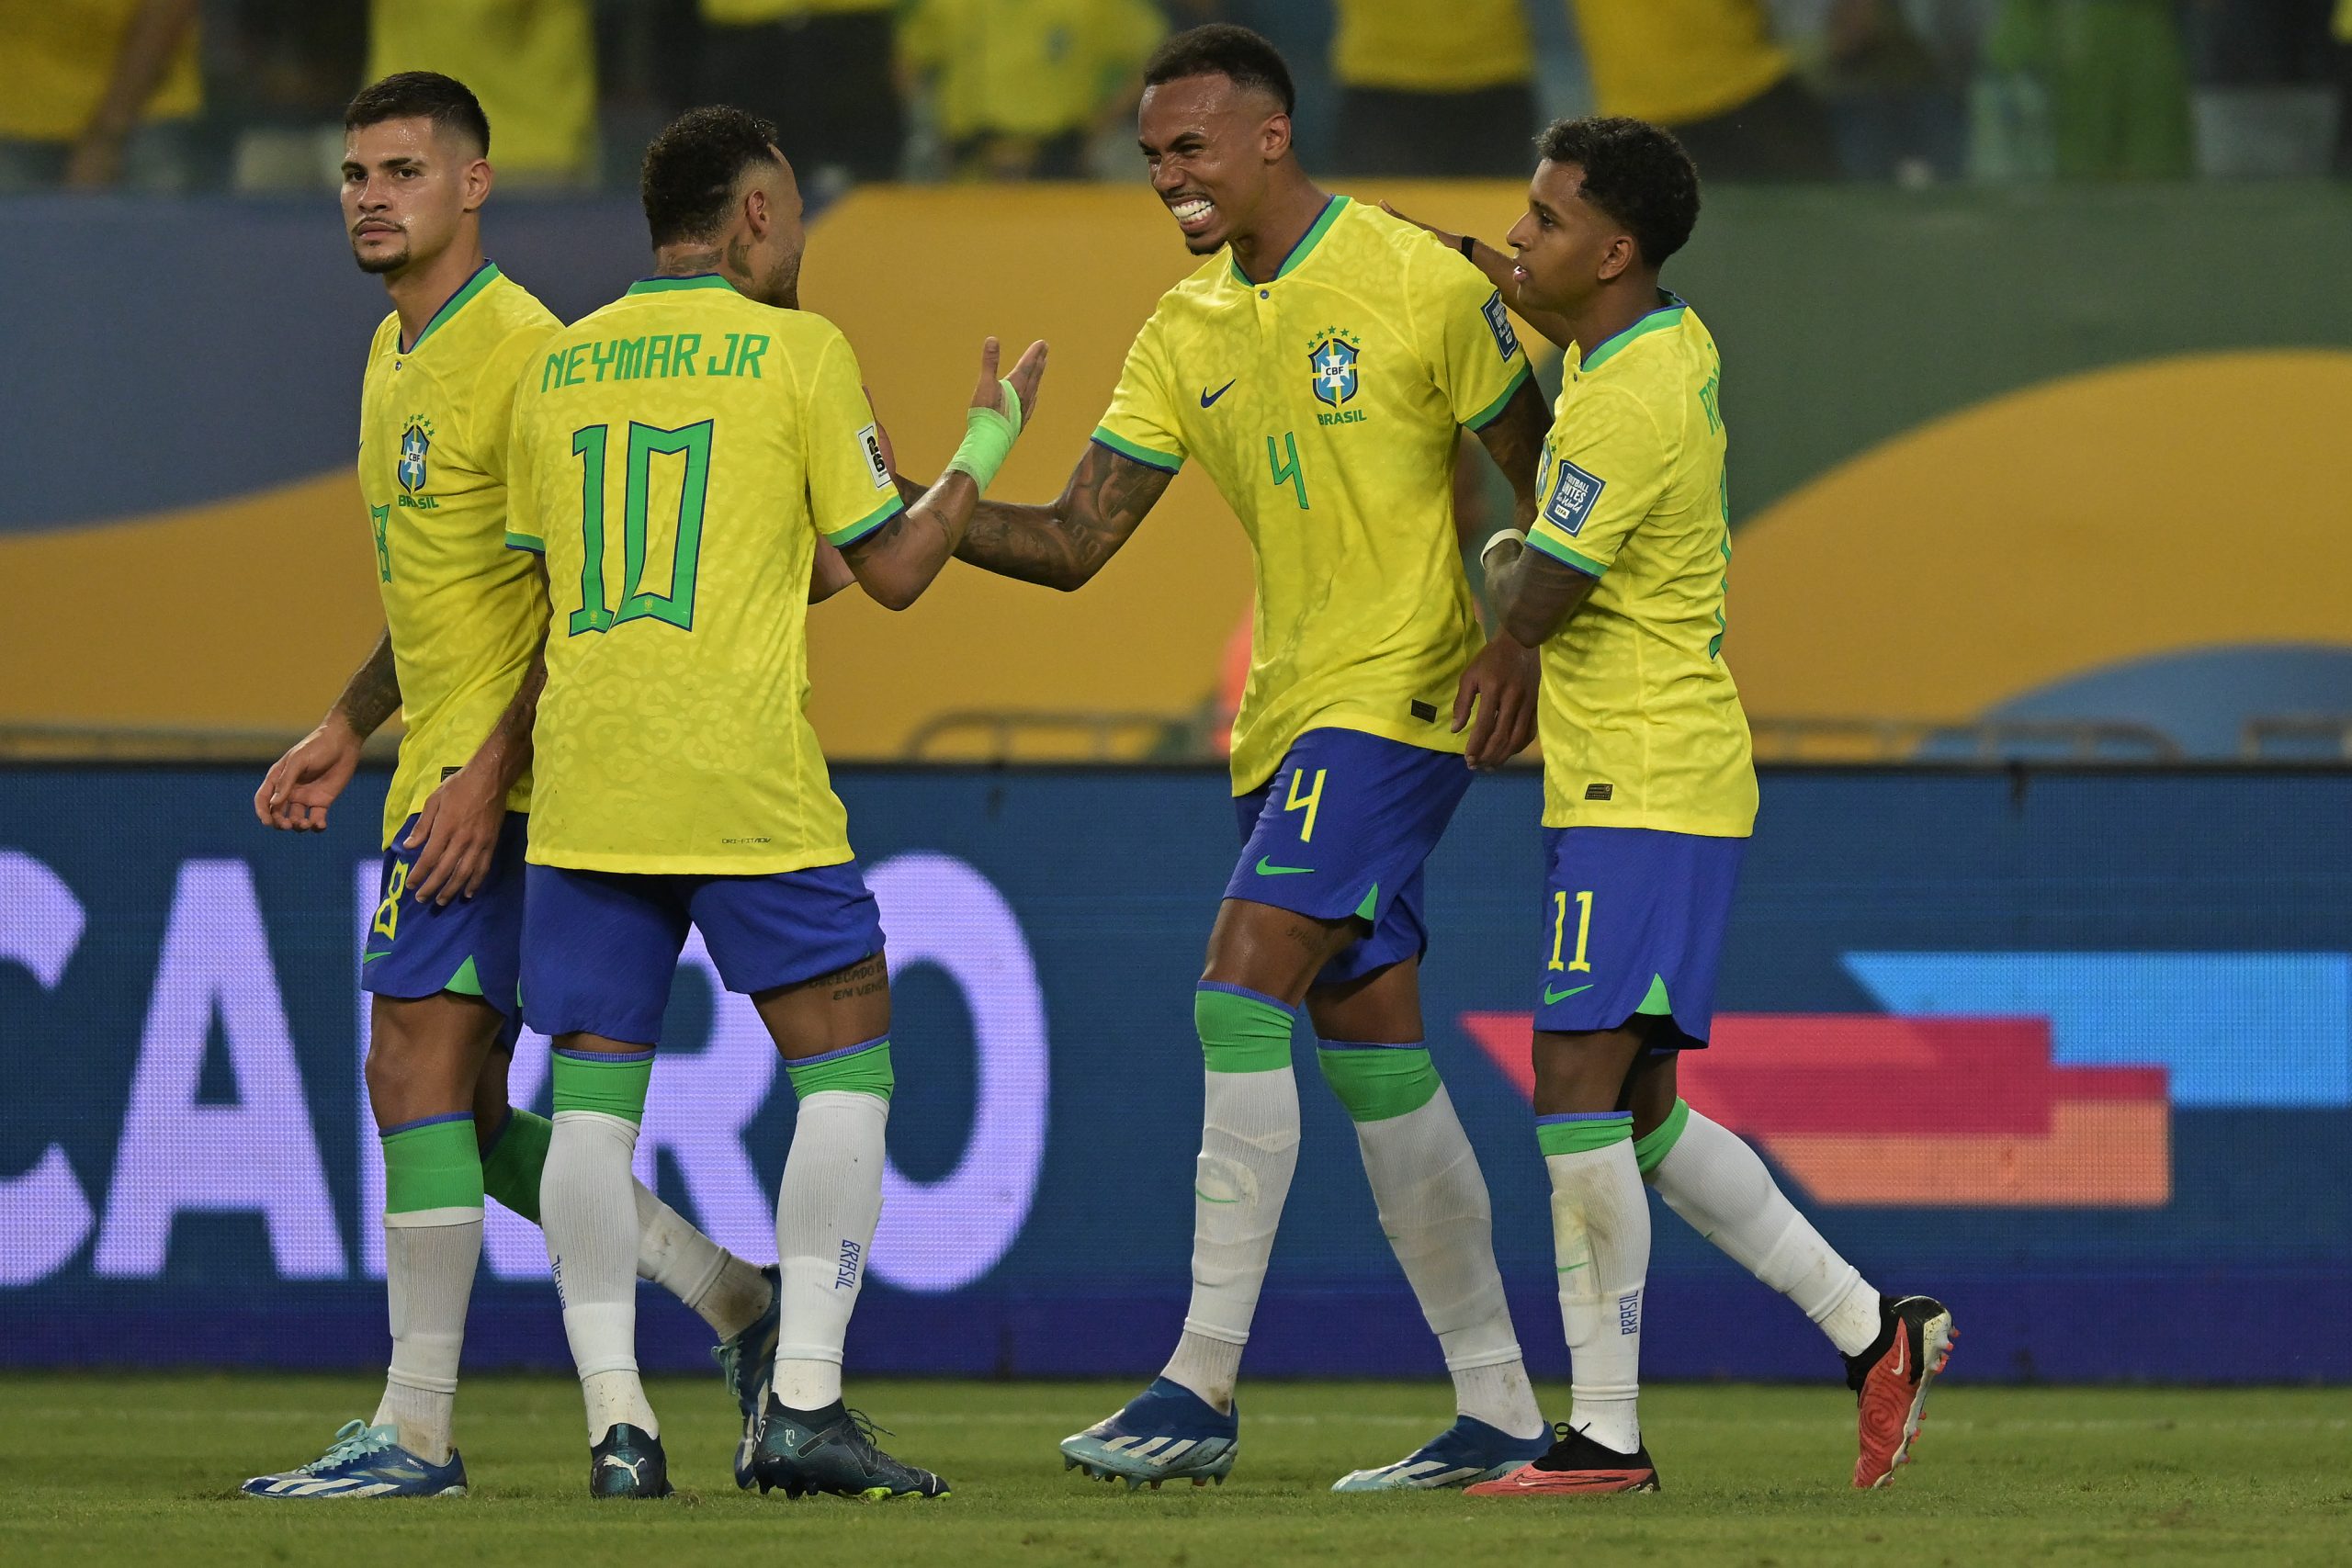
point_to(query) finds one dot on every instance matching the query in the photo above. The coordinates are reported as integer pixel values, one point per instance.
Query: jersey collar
(1665, 316)
(484, 276)
(690, 280)
(1306, 243)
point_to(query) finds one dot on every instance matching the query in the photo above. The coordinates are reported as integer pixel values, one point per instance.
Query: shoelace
(351, 1439)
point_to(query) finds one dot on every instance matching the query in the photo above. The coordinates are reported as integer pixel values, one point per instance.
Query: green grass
(140, 1471)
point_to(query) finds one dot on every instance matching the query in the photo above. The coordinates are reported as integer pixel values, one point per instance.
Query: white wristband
(1514, 534)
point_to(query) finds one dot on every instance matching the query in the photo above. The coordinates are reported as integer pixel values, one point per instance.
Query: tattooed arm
(1065, 544)
(1514, 439)
(1534, 596)
(297, 791)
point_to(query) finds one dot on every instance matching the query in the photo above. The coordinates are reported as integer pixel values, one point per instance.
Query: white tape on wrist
(1516, 535)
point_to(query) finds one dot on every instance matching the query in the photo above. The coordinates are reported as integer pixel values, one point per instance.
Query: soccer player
(464, 618)
(1649, 798)
(1320, 364)
(683, 457)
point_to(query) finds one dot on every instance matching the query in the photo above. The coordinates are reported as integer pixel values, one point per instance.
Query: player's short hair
(1635, 172)
(692, 169)
(449, 103)
(1223, 49)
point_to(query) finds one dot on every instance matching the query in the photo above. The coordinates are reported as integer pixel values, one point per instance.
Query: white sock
(727, 1292)
(429, 1260)
(1248, 1151)
(1714, 1180)
(1601, 1238)
(1436, 1215)
(825, 1213)
(588, 1208)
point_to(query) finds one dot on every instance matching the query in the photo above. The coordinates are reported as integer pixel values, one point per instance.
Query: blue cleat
(831, 1450)
(1165, 1433)
(363, 1461)
(1463, 1454)
(629, 1463)
(747, 1363)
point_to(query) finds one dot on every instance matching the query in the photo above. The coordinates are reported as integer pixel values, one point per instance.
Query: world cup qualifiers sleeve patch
(1574, 493)
(870, 441)
(1499, 323)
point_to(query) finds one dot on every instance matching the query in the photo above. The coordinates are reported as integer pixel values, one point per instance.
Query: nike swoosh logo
(1902, 1349)
(1206, 1199)
(371, 957)
(1264, 869)
(1208, 397)
(1552, 998)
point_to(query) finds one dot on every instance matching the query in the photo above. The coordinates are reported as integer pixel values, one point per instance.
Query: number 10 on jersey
(645, 442)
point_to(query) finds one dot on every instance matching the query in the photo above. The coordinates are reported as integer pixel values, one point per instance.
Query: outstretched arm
(1063, 544)
(895, 562)
(1497, 266)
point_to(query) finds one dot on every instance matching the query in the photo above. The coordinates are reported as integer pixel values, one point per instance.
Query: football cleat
(629, 1463)
(1165, 1433)
(747, 1363)
(1464, 1453)
(363, 1461)
(1576, 1466)
(831, 1450)
(1890, 1382)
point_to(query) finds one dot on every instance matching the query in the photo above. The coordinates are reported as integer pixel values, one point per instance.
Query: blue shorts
(1341, 829)
(600, 948)
(473, 946)
(1634, 923)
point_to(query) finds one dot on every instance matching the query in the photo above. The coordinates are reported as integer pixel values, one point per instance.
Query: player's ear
(1617, 257)
(478, 178)
(1275, 138)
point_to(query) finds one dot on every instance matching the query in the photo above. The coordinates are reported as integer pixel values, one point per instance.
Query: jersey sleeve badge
(1574, 494)
(1499, 323)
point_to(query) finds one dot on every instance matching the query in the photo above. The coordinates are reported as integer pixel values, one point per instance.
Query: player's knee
(1242, 1031)
(1377, 1082)
(862, 1069)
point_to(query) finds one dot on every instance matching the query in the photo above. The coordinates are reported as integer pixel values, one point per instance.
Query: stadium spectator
(1891, 76)
(822, 71)
(531, 62)
(98, 93)
(1434, 88)
(1020, 87)
(2117, 79)
(1712, 71)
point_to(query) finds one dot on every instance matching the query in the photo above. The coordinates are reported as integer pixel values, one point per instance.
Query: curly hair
(692, 168)
(1635, 172)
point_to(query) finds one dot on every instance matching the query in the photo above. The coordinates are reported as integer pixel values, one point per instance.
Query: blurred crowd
(162, 94)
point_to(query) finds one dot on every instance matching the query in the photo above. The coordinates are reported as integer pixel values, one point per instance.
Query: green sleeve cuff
(1565, 556)
(1492, 412)
(526, 542)
(1166, 462)
(841, 539)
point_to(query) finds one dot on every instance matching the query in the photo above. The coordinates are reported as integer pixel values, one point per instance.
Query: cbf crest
(416, 441)
(1333, 363)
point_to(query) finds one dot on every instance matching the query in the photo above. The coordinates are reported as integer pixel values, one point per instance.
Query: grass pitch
(143, 1469)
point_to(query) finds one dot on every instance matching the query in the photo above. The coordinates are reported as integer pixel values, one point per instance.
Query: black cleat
(1576, 1466)
(831, 1450)
(1890, 1380)
(629, 1463)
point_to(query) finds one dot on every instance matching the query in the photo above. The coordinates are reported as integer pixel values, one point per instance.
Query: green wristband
(988, 439)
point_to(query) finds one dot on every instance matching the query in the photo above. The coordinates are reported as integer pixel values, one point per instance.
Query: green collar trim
(666, 284)
(484, 276)
(1657, 320)
(1306, 242)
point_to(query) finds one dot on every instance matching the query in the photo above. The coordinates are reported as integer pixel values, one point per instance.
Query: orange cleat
(1576, 1466)
(1890, 1382)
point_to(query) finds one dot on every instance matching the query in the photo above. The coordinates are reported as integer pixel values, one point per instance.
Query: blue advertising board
(2070, 1049)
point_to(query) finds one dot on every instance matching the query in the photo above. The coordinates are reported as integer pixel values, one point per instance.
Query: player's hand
(1452, 241)
(1025, 378)
(1500, 686)
(296, 792)
(455, 836)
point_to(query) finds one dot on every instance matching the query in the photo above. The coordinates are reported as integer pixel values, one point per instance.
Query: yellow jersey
(1641, 722)
(532, 64)
(1414, 45)
(677, 455)
(1674, 62)
(751, 13)
(464, 611)
(61, 55)
(1027, 67)
(1324, 405)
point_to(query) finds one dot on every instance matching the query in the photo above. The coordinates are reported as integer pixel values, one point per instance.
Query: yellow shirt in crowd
(1674, 62)
(59, 57)
(1432, 46)
(531, 62)
(751, 13)
(1027, 67)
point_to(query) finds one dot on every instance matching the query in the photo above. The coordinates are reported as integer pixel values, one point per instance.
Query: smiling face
(407, 189)
(1567, 248)
(1212, 148)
